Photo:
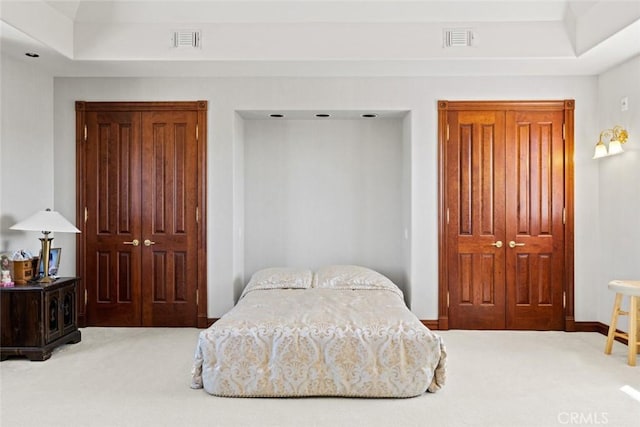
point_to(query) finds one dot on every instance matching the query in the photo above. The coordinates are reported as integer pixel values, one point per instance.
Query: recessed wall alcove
(327, 189)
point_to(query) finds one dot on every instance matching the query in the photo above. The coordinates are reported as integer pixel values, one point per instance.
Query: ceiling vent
(186, 38)
(457, 37)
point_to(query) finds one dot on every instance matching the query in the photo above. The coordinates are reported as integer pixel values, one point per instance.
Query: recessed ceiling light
(276, 115)
(32, 55)
(368, 116)
(323, 115)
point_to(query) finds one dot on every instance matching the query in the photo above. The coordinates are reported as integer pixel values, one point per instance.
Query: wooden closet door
(475, 157)
(113, 176)
(535, 201)
(141, 181)
(169, 227)
(506, 216)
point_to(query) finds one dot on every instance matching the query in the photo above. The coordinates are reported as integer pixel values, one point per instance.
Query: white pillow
(279, 278)
(352, 277)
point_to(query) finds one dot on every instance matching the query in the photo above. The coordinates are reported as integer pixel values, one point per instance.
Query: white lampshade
(46, 221)
(615, 147)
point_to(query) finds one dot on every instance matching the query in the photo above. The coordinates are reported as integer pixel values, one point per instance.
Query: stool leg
(613, 324)
(633, 330)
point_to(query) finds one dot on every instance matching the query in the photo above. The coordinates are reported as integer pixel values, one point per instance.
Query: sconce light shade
(617, 136)
(601, 150)
(615, 147)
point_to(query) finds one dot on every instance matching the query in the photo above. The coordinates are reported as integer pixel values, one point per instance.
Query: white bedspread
(319, 342)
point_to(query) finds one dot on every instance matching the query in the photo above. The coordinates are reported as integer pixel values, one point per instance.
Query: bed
(341, 331)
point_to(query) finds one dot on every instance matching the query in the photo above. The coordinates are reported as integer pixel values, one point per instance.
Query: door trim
(82, 107)
(568, 106)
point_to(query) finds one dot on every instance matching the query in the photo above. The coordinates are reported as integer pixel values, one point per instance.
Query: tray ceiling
(321, 38)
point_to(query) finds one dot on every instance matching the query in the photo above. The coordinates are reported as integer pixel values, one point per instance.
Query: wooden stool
(630, 288)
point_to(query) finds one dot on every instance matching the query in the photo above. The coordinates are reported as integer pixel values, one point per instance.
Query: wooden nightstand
(37, 318)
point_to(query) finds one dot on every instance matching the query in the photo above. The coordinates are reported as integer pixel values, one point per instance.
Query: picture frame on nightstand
(54, 263)
(5, 270)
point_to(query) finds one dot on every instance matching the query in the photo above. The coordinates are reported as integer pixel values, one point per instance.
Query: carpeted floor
(140, 377)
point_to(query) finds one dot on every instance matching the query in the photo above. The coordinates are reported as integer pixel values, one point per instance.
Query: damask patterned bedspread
(319, 342)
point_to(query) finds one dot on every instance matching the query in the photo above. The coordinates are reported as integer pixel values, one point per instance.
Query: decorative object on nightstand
(16, 268)
(54, 263)
(46, 221)
(21, 271)
(6, 279)
(22, 266)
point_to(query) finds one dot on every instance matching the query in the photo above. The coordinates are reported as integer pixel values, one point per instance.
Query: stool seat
(631, 289)
(626, 287)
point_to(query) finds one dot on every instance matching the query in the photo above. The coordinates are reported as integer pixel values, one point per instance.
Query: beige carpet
(140, 377)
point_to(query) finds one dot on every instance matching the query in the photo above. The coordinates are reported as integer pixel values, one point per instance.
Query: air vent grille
(457, 37)
(186, 38)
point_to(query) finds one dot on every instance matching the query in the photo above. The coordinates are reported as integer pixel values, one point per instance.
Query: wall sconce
(617, 136)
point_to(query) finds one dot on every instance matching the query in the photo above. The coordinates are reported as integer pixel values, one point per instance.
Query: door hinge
(447, 299)
(86, 296)
(564, 130)
(447, 216)
(85, 133)
(564, 299)
(447, 132)
(197, 214)
(197, 132)
(86, 214)
(197, 297)
(564, 215)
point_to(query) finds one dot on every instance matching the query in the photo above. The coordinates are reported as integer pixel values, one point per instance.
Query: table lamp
(46, 221)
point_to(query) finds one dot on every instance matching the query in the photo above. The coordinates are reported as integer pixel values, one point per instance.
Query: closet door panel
(169, 195)
(475, 153)
(535, 200)
(113, 176)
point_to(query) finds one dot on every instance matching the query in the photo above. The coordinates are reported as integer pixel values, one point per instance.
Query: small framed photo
(5, 262)
(54, 263)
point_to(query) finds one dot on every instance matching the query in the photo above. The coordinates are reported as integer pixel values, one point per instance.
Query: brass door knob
(134, 242)
(497, 244)
(513, 244)
(148, 242)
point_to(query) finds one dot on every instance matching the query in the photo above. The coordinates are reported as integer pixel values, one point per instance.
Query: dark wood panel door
(535, 229)
(112, 230)
(506, 184)
(169, 227)
(142, 184)
(476, 219)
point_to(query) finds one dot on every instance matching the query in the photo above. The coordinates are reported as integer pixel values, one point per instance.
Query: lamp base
(45, 252)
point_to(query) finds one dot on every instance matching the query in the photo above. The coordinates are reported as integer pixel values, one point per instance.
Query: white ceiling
(321, 38)
(313, 11)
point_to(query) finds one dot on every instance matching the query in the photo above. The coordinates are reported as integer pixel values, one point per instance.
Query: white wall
(238, 207)
(324, 191)
(406, 204)
(26, 154)
(619, 184)
(37, 161)
(226, 96)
